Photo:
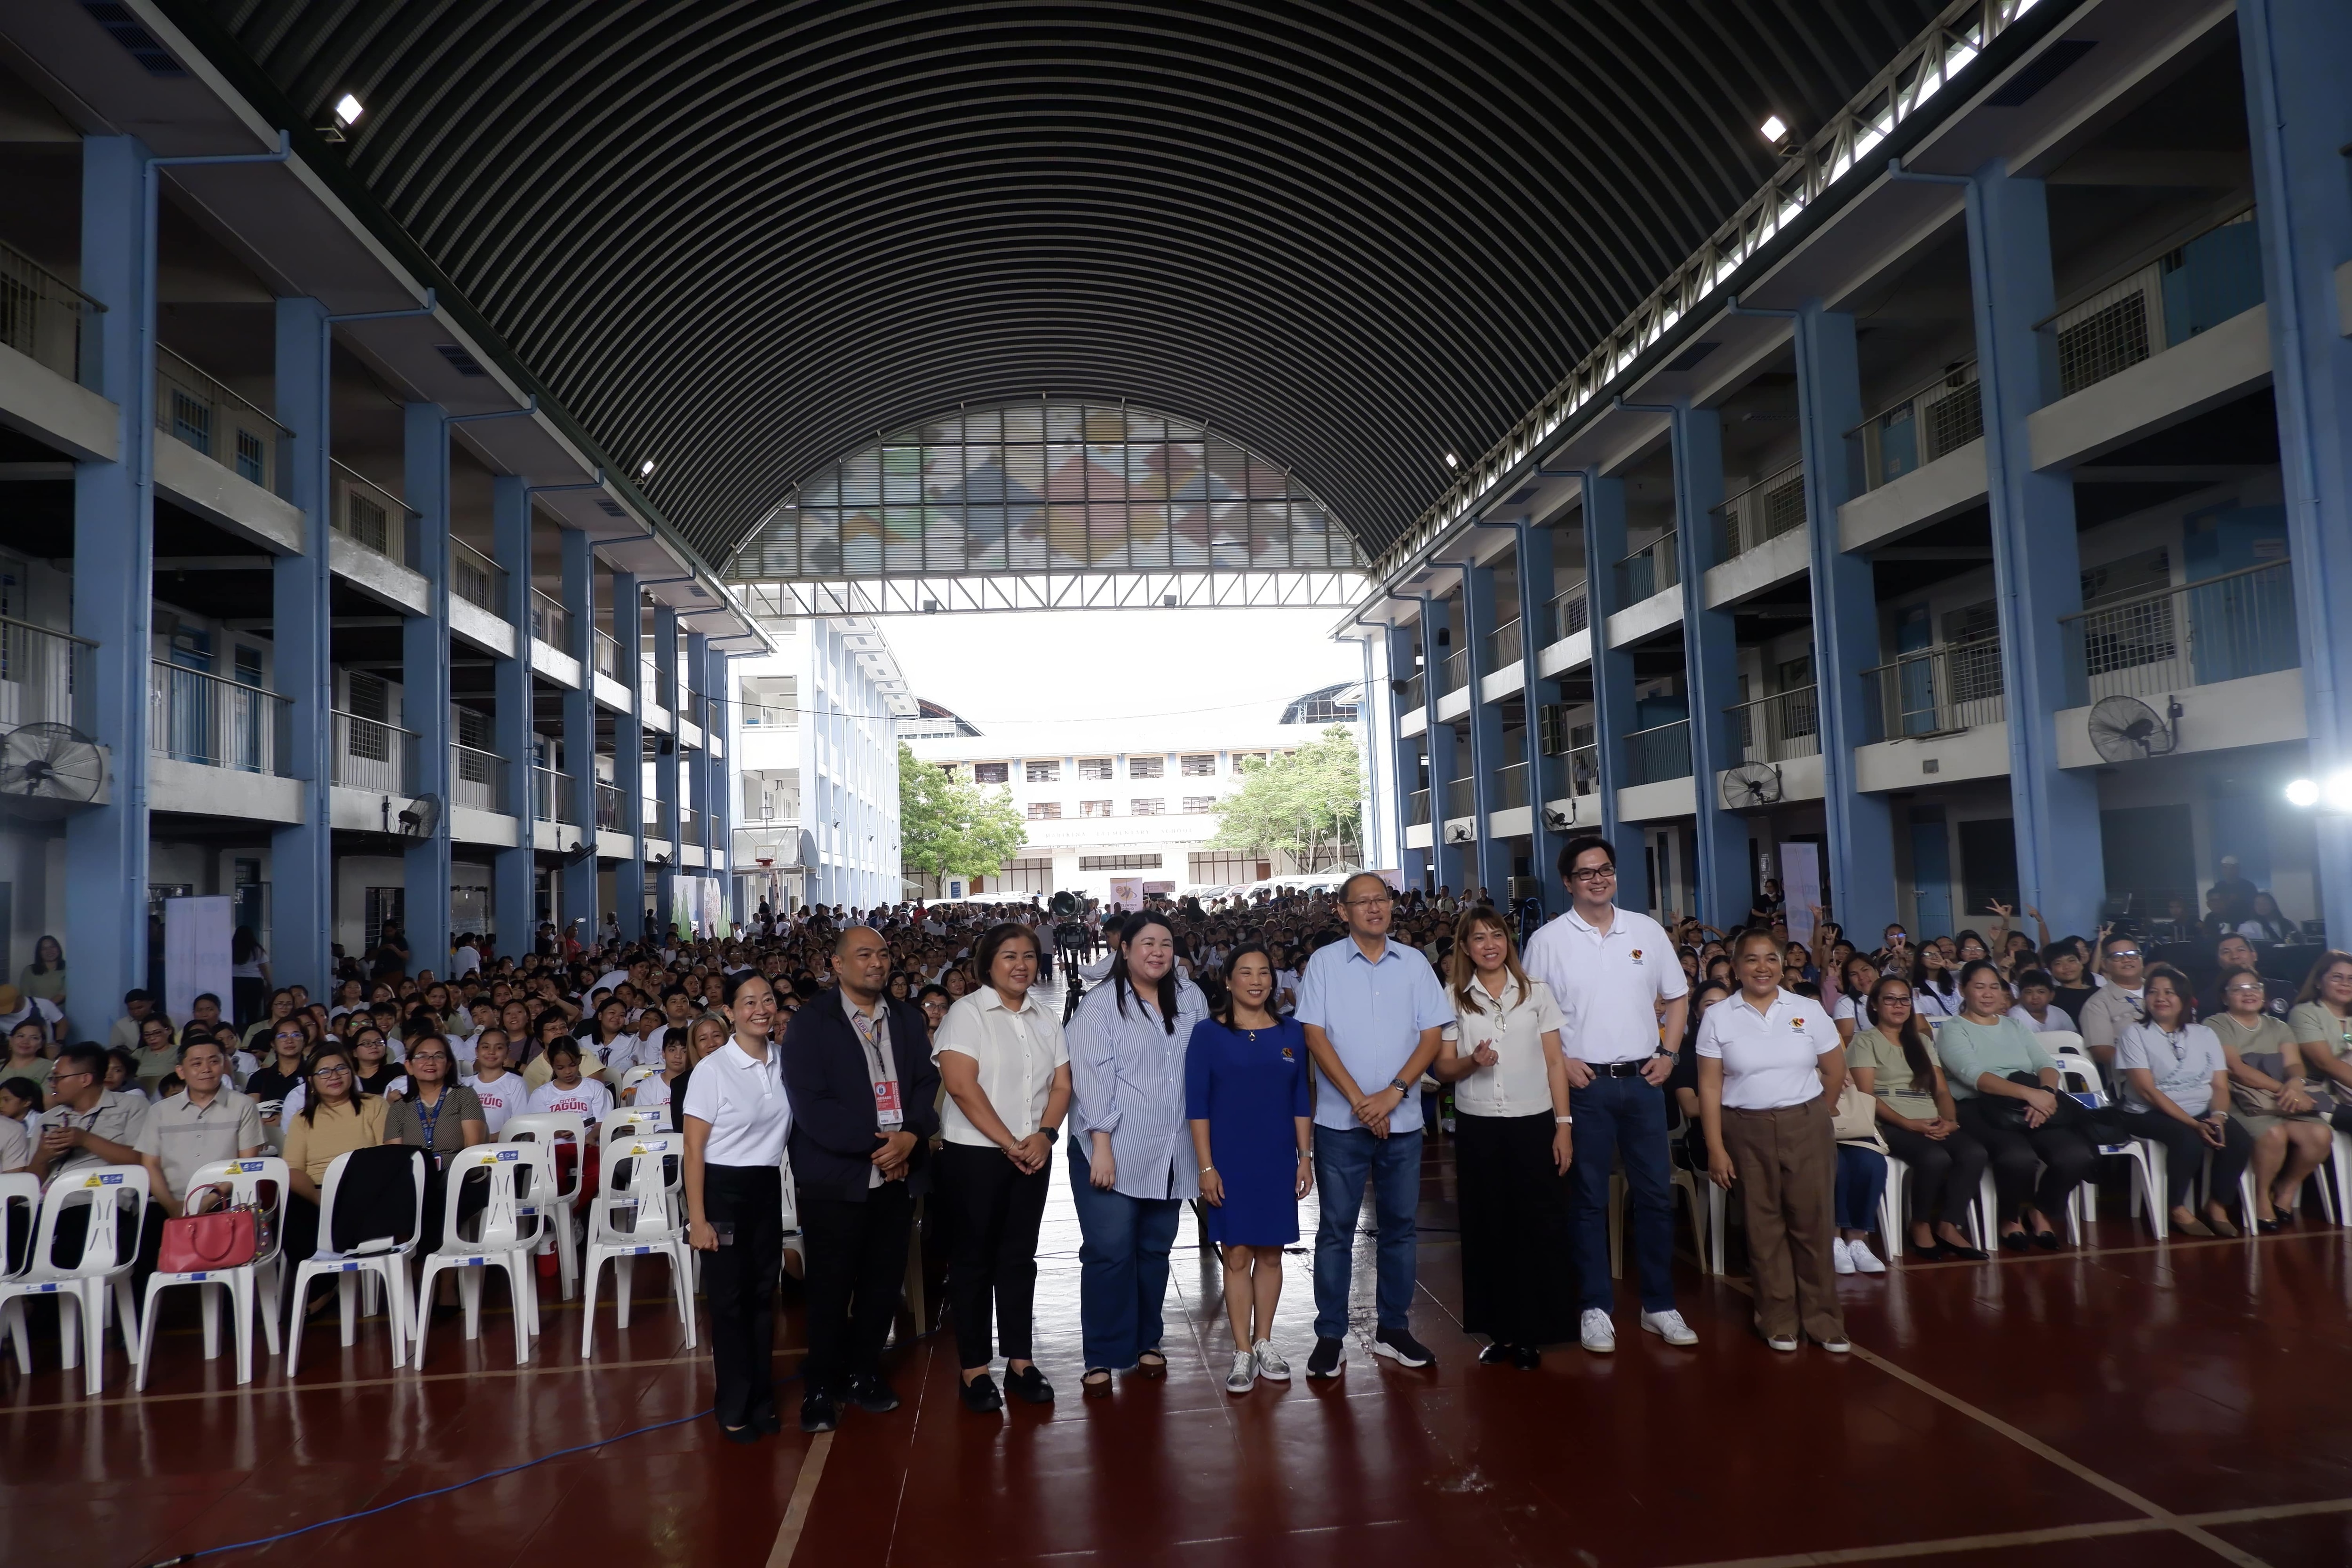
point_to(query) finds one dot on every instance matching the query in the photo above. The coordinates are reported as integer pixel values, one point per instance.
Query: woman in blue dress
(1245, 1093)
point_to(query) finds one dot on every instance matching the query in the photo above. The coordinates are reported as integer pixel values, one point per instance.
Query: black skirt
(1519, 1272)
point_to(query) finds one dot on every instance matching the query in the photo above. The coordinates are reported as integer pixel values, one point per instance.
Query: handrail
(38, 335)
(46, 631)
(1771, 480)
(353, 476)
(344, 714)
(2143, 259)
(1943, 379)
(2148, 595)
(464, 558)
(1957, 645)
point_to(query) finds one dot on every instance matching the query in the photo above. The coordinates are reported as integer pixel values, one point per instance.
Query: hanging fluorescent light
(1774, 129)
(1452, 461)
(348, 109)
(645, 470)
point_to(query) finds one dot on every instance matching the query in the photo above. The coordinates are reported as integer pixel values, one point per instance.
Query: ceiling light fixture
(645, 470)
(348, 109)
(1452, 461)
(1774, 129)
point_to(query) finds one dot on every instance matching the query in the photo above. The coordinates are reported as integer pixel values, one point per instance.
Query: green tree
(950, 827)
(1309, 804)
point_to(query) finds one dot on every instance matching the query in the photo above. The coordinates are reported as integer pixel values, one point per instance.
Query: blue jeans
(1343, 1159)
(1622, 1118)
(1861, 1180)
(1123, 1267)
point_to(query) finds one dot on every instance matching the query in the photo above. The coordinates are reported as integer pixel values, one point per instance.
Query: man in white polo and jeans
(1614, 972)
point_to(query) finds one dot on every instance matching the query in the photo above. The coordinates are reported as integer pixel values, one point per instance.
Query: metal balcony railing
(1656, 754)
(607, 648)
(2167, 301)
(1512, 783)
(550, 795)
(477, 579)
(764, 718)
(1777, 728)
(1647, 572)
(1584, 770)
(2227, 627)
(45, 677)
(1504, 646)
(1415, 693)
(478, 779)
(1923, 425)
(1452, 672)
(47, 319)
(1417, 809)
(649, 684)
(1772, 505)
(370, 754)
(202, 414)
(612, 809)
(551, 623)
(689, 825)
(1569, 614)
(1460, 798)
(371, 516)
(1937, 690)
(195, 716)
(658, 819)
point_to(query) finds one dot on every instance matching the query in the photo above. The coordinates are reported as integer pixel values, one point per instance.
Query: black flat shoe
(2047, 1240)
(768, 1421)
(1527, 1357)
(740, 1434)
(1498, 1354)
(980, 1396)
(1959, 1254)
(1029, 1386)
(2015, 1241)
(2269, 1226)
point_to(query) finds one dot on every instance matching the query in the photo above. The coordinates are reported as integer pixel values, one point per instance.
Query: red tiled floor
(2203, 1378)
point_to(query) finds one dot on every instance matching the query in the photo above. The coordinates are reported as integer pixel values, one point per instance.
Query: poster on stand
(196, 934)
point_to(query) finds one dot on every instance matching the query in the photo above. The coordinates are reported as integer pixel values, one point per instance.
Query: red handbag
(202, 1243)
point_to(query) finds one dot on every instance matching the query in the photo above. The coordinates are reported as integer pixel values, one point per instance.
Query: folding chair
(633, 1216)
(506, 1233)
(382, 1258)
(562, 1199)
(94, 1284)
(260, 1184)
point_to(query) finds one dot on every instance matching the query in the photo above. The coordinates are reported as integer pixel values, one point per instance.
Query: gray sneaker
(1244, 1376)
(1270, 1365)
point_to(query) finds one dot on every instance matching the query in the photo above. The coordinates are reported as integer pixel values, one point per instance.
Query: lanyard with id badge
(889, 1110)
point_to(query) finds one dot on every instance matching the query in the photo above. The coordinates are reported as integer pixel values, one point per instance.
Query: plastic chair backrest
(2061, 1042)
(505, 1219)
(546, 1128)
(105, 1188)
(332, 1188)
(636, 1076)
(261, 1183)
(625, 1121)
(15, 1187)
(646, 1171)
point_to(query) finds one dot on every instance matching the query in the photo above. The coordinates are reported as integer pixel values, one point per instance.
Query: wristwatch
(1052, 1134)
(1402, 1087)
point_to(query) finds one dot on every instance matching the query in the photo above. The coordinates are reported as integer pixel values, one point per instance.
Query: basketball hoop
(766, 861)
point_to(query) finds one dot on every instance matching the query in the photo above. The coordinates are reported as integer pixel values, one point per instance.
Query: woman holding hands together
(1252, 1130)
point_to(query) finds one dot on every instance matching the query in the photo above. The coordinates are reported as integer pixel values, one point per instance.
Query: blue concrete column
(1405, 756)
(1861, 833)
(114, 555)
(2297, 56)
(1612, 684)
(1449, 862)
(424, 683)
(513, 872)
(1538, 692)
(1491, 862)
(628, 756)
(2036, 568)
(666, 765)
(1711, 667)
(301, 854)
(576, 897)
(699, 785)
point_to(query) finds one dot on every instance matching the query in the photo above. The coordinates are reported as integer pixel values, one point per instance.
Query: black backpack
(376, 1199)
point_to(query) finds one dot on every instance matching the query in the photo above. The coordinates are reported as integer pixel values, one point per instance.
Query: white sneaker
(1864, 1260)
(1784, 1345)
(1270, 1365)
(1838, 1347)
(1244, 1376)
(1842, 1254)
(1597, 1333)
(1669, 1326)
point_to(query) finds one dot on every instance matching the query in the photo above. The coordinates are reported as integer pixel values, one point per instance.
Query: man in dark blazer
(857, 1068)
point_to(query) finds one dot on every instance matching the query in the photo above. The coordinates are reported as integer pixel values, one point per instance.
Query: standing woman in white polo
(736, 1119)
(1769, 1070)
(1007, 1073)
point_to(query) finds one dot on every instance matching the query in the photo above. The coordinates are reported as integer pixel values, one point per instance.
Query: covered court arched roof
(744, 238)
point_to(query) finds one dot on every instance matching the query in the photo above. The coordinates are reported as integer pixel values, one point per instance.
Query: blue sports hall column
(1537, 693)
(576, 896)
(2298, 58)
(424, 683)
(514, 868)
(665, 766)
(1710, 665)
(1612, 683)
(1405, 766)
(301, 854)
(629, 754)
(1493, 860)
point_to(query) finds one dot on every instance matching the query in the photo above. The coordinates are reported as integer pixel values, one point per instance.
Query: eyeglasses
(1593, 874)
(1380, 902)
(331, 1072)
(2246, 988)
(2123, 953)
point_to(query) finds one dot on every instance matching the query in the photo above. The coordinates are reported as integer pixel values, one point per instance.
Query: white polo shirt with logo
(1608, 983)
(1771, 1059)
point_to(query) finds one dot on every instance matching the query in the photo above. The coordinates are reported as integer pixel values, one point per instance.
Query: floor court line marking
(2054, 1534)
(251, 1388)
(796, 1512)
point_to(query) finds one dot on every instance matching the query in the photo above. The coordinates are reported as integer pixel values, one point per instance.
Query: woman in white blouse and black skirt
(1512, 1146)
(737, 1119)
(1007, 1073)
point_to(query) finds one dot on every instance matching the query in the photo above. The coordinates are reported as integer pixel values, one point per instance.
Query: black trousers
(2065, 1152)
(738, 1283)
(993, 1212)
(2184, 1151)
(856, 1269)
(1945, 1173)
(1518, 1270)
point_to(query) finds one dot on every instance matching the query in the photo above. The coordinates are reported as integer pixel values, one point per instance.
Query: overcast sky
(997, 669)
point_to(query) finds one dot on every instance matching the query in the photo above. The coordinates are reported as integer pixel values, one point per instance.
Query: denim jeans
(1861, 1183)
(1622, 1118)
(1122, 1266)
(1343, 1159)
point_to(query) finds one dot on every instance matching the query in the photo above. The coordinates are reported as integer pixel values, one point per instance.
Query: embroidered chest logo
(1637, 955)
(1797, 1026)
(1286, 1056)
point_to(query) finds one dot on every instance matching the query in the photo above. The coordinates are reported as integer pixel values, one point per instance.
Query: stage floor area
(2132, 1403)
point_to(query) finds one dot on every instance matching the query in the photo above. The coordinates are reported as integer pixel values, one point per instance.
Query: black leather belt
(1618, 1070)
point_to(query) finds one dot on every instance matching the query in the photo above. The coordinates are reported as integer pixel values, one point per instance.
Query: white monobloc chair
(634, 1215)
(20, 1216)
(260, 1184)
(506, 1234)
(560, 1200)
(384, 1257)
(93, 1286)
(634, 1077)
